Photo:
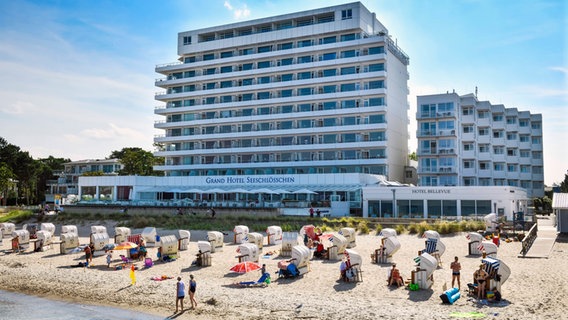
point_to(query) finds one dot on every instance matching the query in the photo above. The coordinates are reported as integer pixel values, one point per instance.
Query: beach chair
(432, 249)
(263, 281)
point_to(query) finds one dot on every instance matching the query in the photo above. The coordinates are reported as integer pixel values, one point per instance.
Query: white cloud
(240, 13)
(560, 69)
(19, 107)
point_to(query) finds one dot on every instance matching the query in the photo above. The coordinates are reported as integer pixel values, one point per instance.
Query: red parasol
(244, 267)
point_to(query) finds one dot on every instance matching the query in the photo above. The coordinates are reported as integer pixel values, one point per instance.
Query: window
(305, 59)
(286, 62)
(373, 102)
(247, 82)
(377, 67)
(536, 125)
(306, 107)
(329, 105)
(376, 50)
(287, 77)
(348, 87)
(377, 118)
(349, 121)
(226, 69)
(263, 80)
(263, 110)
(285, 46)
(329, 138)
(525, 169)
(511, 136)
(348, 37)
(287, 109)
(305, 91)
(523, 123)
(482, 114)
(247, 112)
(304, 75)
(263, 95)
(348, 104)
(349, 137)
(226, 84)
(329, 56)
(303, 124)
(512, 168)
(247, 96)
(304, 22)
(483, 148)
(286, 125)
(264, 49)
(348, 70)
(305, 43)
(210, 85)
(511, 120)
(499, 166)
(245, 32)
(329, 73)
(346, 14)
(536, 140)
(524, 138)
(468, 129)
(467, 111)
(376, 84)
(525, 154)
(284, 25)
(483, 131)
(468, 146)
(247, 51)
(376, 136)
(469, 164)
(286, 93)
(498, 150)
(209, 56)
(247, 66)
(498, 134)
(497, 117)
(186, 40)
(265, 28)
(263, 64)
(329, 89)
(327, 40)
(226, 54)
(189, 59)
(349, 54)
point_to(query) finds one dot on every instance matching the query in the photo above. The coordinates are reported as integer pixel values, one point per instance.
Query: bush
(16, 216)
(400, 229)
(363, 227)
(423, 226)
(413, 228)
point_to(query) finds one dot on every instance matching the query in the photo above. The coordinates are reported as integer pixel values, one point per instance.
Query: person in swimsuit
(180, 293)
(480, 277)
(192, 288)
(456, 267)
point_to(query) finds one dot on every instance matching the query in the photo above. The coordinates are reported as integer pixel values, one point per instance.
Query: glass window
(349, 54)
(247, 82)
(329, 105)
(304, 91)
(286, 62)
(303, 124)
(247, 66)
(263, 95)
(262, 80)
(377, 118)
(349, 137)
(247, 112)
(329, 89)
(286, 46)
(376, 84)
(329, 56)
(347, 104)
(286, 125)
(349, 155)
(226, 69)
(304, 43)
(327, 40)
(287, 77)
(348, 87)
(373, 102)
(305, 59)
(329, 122)
(329, 73)
(306, 107)
(434, 209)
(247, 96)
(349, 121)
(264, 49)
(329, 138)
(286, 93)
(348, 37)
(226, 54)
(348, 70)
(226, 84)
(376, 50)
(376, 136)
(377, 67)
(209, 56)
(304, 75)
(287, 109)
(263, 64)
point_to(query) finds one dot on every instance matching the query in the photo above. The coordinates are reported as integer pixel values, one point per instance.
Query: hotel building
(466, 142)
(322, 91)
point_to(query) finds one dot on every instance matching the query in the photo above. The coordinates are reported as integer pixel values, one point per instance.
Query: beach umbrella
(127, 245)
(244, 267)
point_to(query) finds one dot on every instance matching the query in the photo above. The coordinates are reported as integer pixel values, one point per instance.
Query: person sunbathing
(395, 277)
(480, 276)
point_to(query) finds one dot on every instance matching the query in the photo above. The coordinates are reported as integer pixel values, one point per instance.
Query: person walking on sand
(192, 288)
(180, 293)
(456, 267)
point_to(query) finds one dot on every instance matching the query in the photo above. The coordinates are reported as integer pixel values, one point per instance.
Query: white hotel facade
(466, 142)
(315, 92)
(287, 112)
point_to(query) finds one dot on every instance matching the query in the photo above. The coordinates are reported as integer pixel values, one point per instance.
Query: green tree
(6, 182)
(137, 161)
(564, 184)
(413, 156)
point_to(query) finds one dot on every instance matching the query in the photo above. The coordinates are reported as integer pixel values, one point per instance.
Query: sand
(536, 289)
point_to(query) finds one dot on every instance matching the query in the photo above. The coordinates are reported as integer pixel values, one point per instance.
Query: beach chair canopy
(249, 251)
(474, 237)
(256, 238)
(354, 257)
(216, 238)
(99, 240)
(427, 262)
(69, 229)
(45, 236)
(300, 256)
(169, 244)
(387, 232)
(48, 227)
(98, 229)
(391, 245)
(149, 234)
(204, 246)
(431, 234)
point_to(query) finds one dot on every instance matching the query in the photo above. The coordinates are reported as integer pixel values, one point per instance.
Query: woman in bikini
(480, 277)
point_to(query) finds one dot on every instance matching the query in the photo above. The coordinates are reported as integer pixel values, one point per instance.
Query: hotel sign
(251, 180)
(447, 191)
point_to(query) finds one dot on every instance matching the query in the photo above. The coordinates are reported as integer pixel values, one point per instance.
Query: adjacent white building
(322, 91)
(466, 142)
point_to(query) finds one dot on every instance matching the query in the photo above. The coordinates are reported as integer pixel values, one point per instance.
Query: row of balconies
(214, 160)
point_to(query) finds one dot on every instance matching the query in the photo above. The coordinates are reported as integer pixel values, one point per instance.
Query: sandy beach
(536, 289)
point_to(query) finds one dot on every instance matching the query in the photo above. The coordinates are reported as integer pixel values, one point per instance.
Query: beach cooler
(121, 234)
(48, 227)
(150, 236)
(274, 234)
(98, 229)
(423, 275)
(24, 238)
(489, 247)
(204, 259)
(475, 239)
(354, 262)
(256, 238)
(336, 246)
(491, 222)
(248, 252)
(99, 240)
(183, 239)
(7, 229)
(350, 235)
(450, 296)
(168, 245)
(301, 258)
(69, 229)
(240, 235)
(389, 246)
(69, 241)
(216, 240)
(43, 240)
(387, 233)
(289, 240)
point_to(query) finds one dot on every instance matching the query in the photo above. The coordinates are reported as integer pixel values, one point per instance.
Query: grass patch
(16, 216)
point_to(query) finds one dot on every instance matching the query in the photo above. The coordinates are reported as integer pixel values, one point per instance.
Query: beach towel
(470, 315)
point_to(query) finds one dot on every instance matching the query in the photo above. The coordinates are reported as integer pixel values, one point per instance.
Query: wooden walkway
(546, 237)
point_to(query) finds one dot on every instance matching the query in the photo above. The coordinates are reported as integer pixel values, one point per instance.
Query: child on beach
(109, 258)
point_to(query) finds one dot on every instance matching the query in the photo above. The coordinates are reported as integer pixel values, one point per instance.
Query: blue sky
(77, 76)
